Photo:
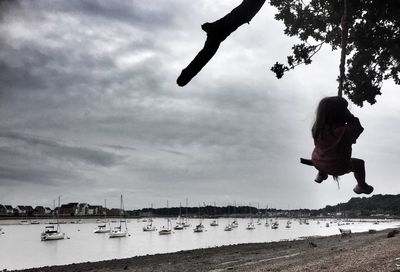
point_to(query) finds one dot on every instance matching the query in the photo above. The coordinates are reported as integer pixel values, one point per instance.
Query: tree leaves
(373, 44)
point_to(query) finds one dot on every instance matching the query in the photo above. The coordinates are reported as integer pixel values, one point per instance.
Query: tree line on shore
(376, 205)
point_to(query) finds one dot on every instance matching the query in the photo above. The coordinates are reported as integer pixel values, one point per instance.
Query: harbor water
(21, 247)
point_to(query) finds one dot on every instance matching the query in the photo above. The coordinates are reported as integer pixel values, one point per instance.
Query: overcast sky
(90, 109)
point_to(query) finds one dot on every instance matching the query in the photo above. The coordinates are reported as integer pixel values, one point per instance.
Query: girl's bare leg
(358, 169)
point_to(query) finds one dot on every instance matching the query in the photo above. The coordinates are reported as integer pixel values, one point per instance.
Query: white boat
(214, 223)
(250, 226)
(266, 217)
(120, 231)
(179, 226)
(186, 223)
(288, 225)
(24, 222)
(199, 228)
(52, 233)
(149, 227)
(228, 227)
(165, 232)
(168, 229)
(101, 228)
(235, 224)
(275, 225)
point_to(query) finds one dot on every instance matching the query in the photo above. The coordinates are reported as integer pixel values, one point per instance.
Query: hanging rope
(345, 30)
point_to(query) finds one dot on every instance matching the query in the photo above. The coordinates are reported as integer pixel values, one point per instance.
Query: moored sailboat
(228, 227)
(168, 229)
(186, 222)
(103, 228)
(214, 223)
(235, 222)
(179, 224)
(53, 232)
(200, 226)
(149, 226)
(250, 225)
(121, 230)
(275, 225)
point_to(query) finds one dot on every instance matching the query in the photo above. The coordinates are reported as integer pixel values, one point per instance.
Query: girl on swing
(335, 130)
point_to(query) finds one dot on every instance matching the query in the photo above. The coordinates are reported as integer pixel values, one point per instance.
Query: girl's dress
(332, 151)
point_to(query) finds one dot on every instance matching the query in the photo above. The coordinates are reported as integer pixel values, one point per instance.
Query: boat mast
(186, 209)
(58, 214)
(168, 221)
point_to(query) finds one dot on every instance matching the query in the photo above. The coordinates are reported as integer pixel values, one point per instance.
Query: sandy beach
(359, 252)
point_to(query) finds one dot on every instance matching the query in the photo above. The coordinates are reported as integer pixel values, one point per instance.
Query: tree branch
(217, 32)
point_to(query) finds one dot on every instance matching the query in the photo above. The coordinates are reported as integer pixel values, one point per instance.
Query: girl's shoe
(320, 177)
(365, 189)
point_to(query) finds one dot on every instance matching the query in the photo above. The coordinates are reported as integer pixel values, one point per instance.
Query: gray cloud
(120, 147)
(10, 175)
(69, 153)
(88, 96)
(174, 152)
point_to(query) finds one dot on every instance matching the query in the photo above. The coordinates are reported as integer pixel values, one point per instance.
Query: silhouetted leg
(358, 169)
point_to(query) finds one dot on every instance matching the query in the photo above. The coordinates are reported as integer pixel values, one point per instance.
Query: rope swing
(345, 30)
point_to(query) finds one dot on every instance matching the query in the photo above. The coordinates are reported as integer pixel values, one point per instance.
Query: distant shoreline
(2, 218)
(360, 252)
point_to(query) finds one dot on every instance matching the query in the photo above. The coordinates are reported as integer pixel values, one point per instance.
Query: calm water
(20, 245)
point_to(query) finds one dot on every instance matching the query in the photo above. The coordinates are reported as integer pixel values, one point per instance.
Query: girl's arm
(353, 127)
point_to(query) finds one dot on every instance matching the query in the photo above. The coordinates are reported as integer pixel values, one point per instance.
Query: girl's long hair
(331, 111)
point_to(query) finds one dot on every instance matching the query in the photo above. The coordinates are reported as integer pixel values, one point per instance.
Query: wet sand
(360, 252)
